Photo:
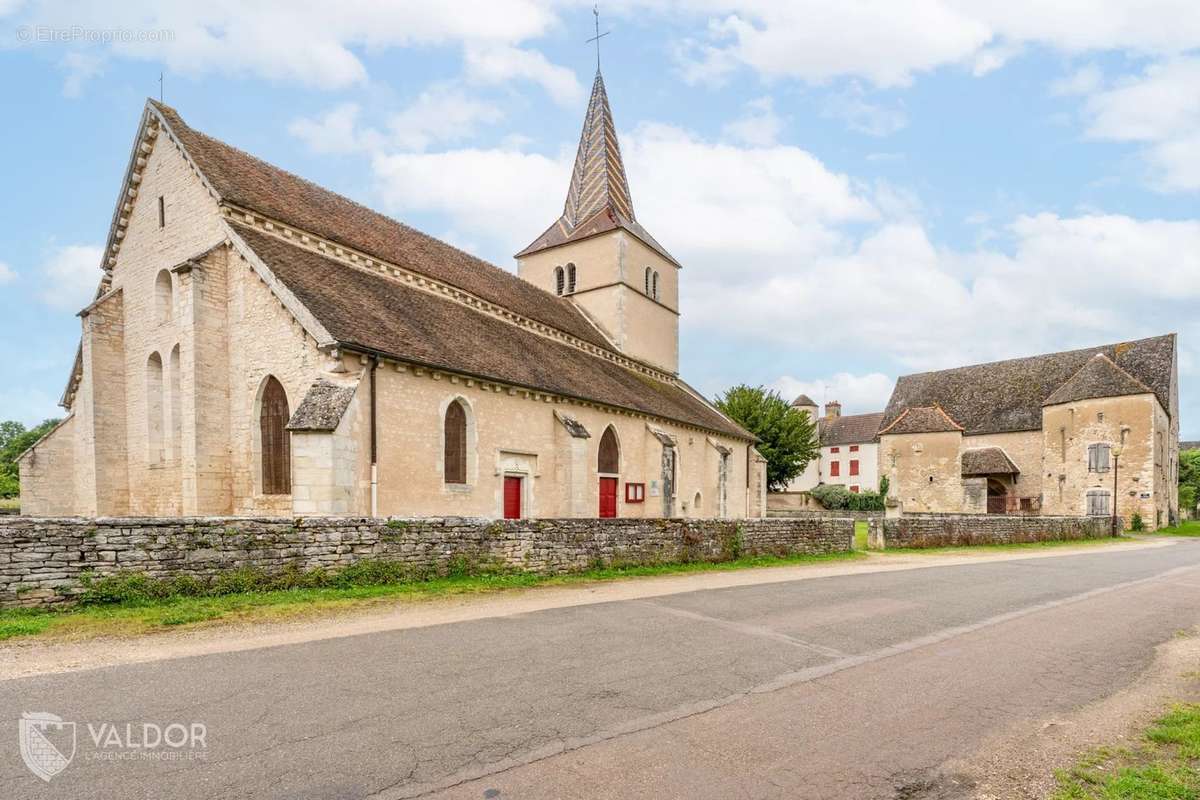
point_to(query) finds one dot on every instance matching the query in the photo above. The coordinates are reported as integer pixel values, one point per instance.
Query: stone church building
(1084, 432)
(259, 345)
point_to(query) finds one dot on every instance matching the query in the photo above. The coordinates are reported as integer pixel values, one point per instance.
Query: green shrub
(839, 498)
(1136, 523)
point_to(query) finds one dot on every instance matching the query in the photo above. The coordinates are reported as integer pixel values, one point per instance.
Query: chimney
(833, 409)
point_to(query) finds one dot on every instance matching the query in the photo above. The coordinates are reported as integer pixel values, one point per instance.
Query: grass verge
(1164, 766)
(10, 504)
(1190, 527)
(137, 613)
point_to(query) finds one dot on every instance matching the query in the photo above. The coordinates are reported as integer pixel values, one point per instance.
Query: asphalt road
(859, 686)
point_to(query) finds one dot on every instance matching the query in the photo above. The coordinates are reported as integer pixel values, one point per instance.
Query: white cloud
(858, 394)
(887, 44)
(70, 275)
(1161, 109)
(441, 114)
(7, 274)
(852, 107)
(1082, 81)
(759, 127)
(80, 67)
(335, 132)
(512, 195)
(310, 43)
(494, 64)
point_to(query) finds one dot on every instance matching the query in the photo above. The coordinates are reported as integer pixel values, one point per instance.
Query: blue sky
(856, 190)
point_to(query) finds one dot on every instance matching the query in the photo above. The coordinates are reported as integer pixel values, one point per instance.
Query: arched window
(609, 460)
(648, 271)
(558, 281)
(456, 443)
(654, 286)
(570, 278)
(276, 441)
(164, 302)
(154, 408)
(696, 504)
(174, 448)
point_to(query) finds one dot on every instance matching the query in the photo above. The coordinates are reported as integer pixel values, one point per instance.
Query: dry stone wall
(43, 561)
(947, 530)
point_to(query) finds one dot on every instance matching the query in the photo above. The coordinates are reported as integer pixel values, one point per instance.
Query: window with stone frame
(654, 286)
(570, 279)
(559, 281)
(648, 273)
(455, 442)
(1098, 457)
(1098, 504)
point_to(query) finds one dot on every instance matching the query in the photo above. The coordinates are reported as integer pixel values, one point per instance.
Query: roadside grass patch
(1165, 766)
(1189, 527)
(132, 604)
(860, 534)
(10, 504)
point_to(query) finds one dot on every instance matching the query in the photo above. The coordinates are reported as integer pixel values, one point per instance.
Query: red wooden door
(512, 497)
(608, 497)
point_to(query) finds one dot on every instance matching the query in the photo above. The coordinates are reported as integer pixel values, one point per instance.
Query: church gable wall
(156, 321)
(48, 473)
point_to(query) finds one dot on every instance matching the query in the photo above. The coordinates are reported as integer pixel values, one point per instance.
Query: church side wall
(48, 473)
(511, 432)
(262, 340)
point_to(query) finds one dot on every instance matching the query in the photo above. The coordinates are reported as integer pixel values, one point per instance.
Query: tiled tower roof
(598, 180)
(598, 199)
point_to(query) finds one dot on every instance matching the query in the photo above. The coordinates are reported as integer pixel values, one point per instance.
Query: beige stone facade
(191, 324)
(1105, 443)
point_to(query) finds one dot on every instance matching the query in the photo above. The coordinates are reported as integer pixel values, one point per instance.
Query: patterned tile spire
(598, 181)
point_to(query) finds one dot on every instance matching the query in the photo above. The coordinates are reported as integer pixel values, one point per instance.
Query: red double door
(608, 497)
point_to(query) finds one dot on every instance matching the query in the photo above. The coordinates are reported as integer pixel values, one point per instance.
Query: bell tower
(597, 255)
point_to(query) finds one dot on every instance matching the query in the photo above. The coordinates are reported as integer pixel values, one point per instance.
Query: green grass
(860, 534)
(10, 504)
(1190, 527)
(984, 548)
(141, 612)
(1166, 766)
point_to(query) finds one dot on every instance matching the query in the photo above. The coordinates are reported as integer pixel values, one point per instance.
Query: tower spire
(598, 180)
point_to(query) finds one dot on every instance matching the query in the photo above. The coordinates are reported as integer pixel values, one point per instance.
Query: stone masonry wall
(946, 530)
(42, 561)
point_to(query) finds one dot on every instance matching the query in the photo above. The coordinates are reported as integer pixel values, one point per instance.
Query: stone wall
(43, 560)
(946, 530)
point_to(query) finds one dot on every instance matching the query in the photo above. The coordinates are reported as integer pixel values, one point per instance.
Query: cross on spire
(597, 37)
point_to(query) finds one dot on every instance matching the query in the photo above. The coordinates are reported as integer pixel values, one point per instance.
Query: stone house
(1084, 432)
(849, 450)
(259, 345)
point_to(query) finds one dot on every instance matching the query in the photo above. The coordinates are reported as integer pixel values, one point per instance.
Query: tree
(1189, 480)
(15, 440)
(788, 437)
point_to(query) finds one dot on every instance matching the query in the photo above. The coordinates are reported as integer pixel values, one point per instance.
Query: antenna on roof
(597, 37)
(160, 86)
